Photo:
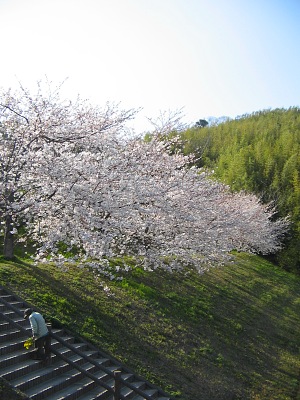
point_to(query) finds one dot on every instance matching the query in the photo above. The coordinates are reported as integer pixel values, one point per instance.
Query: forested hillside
(258, 153)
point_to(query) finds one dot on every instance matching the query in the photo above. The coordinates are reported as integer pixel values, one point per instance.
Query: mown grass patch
(232, 333)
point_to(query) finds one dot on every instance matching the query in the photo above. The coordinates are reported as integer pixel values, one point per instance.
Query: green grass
(232, 333)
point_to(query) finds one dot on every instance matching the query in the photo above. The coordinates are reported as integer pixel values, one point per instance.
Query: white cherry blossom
(70, 175)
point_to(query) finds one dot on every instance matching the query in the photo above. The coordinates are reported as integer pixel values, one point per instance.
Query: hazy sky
(209, 57)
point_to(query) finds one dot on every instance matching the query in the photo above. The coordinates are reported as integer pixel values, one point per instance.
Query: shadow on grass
(78, 309)
(221, 335)
(235, 329)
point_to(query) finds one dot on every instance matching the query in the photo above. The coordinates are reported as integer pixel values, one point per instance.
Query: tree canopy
(74, 182)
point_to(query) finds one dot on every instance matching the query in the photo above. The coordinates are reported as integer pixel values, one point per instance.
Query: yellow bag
(29, 343)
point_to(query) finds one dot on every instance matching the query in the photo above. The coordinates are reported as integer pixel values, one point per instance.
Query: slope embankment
(233, 332)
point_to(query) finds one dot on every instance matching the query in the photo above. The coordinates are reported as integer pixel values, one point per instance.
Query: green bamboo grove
(258, 153)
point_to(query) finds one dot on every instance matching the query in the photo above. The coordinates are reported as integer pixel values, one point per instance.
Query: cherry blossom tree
(35, 130)
(71, 176)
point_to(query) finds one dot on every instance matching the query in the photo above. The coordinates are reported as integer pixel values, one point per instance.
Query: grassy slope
(232, 333)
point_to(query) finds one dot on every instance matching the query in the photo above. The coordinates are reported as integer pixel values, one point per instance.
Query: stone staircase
(78, 370)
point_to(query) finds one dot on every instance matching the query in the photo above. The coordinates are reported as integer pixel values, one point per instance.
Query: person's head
(27, 312)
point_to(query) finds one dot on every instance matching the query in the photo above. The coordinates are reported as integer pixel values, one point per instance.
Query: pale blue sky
(209, 57)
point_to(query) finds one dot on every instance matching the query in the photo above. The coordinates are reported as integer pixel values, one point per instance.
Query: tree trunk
(8, 239)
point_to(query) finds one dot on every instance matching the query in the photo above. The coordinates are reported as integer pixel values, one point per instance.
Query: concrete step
(14, 352)
(71, 384)
(45, 374)
(9, 312)
(7, 297)
(11, 352)
(31, 378)
(15, 344)
(4, 325)
(149, 392)
(12, 334)
(129, 393)
(13, 372)
(97, 394)
(14, 358)
(83, 390)
(14, 303)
